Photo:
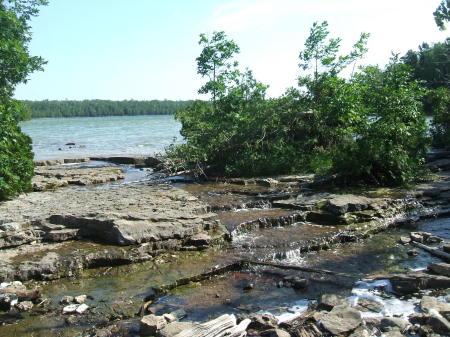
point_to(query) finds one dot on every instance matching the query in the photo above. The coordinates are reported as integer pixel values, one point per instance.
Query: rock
(367, 304)
(412, 252)
(248, 285)
(344, 203)
(174, 328)
(329, 301)
(24, 306)
(175, 315)
(392, 323)
(439, 325)
(417, 237)
(341, 320)
(199, 240)
(446, 248)
(268, 182)
(295, 282)
(361, 332)
(430, 304)
(424, 237)
(66, 300)
(404, 240)
(70, 309)
(150, 324)
(82, 308)
(5, 302)
(262, 322)
(275, 333)
(413, 282)
(393, 333)
(80, 299)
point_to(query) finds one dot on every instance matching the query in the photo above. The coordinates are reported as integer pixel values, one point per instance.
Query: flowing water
(101, 136)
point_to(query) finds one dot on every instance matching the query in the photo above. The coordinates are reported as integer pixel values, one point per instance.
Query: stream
(116, 293)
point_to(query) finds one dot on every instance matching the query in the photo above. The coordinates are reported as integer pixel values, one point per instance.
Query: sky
(146, 49)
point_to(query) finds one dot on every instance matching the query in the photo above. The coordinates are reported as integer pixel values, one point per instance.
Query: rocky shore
(58, 232)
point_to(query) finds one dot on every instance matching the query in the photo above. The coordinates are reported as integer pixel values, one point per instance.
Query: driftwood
(221, 326)
(290, 267)
(22, 294)
(433, 251)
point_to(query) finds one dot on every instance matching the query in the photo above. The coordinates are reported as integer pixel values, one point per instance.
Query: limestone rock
(429, 304)
(392, 323)
(262, 322)
(342, 320)
(24, 306)
(329, 301)
(80, 299)
(344, 203)
(440, 268)
(150, 324)
(367, 304)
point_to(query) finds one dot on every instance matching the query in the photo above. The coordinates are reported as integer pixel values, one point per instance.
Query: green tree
(442, 14)
(389, 143)
(440, 127)
(214, 63)
(16, 156)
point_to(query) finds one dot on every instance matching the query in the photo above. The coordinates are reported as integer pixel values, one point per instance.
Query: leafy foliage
(442, 14)
(16, 157)
(441, 122)
(369, 127)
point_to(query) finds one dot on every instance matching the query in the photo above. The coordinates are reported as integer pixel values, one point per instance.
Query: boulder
(404, 240)
(329, 301)
(430, 304)
(150, 324)
(413, 282)
(341, 320)
(440, 268)
(262, 322)
(344, 203)
(393, 323)
(446, 248)
(361, 331)
(368, 304)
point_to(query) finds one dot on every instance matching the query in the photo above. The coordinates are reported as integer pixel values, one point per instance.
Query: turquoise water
(101, 136)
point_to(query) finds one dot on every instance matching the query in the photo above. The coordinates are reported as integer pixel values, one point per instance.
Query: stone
(66, 300)
(70, 309)
(344, 203)
(82, 308)
(299, 283)
(446, 248)
(341, 320)
(403, 284)
(412, 252)
(367, 304)
(329, 301)
(174, 328)
(262, 322)
(80, 299)
(393, 333)
(439, 325)
(440, 268)
(268, 182)
(392, 323)
(275, 333)
(201, 239)
(248, 285)
(24, 306)
(361, 331)
(429, 304)
(150, 324)
(404, 240)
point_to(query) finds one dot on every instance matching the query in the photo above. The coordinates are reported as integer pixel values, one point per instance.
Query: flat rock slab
(121, 216)
(341, 320)
(51, 177)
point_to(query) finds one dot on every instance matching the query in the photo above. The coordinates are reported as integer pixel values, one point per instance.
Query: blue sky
(146, 49)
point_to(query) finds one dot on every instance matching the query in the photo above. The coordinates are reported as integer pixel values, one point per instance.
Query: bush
(440, 127)
(16, 157)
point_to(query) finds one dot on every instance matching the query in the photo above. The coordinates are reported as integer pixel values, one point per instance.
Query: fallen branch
(433, 251)
(290, 267)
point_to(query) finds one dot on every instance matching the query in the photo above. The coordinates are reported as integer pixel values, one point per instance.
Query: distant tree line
(96, 108)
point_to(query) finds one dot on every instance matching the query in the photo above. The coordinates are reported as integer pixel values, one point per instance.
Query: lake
(101, 136)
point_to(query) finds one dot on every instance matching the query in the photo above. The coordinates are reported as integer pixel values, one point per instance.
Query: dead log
(22, 294)
(433, 251)
(290, 267)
